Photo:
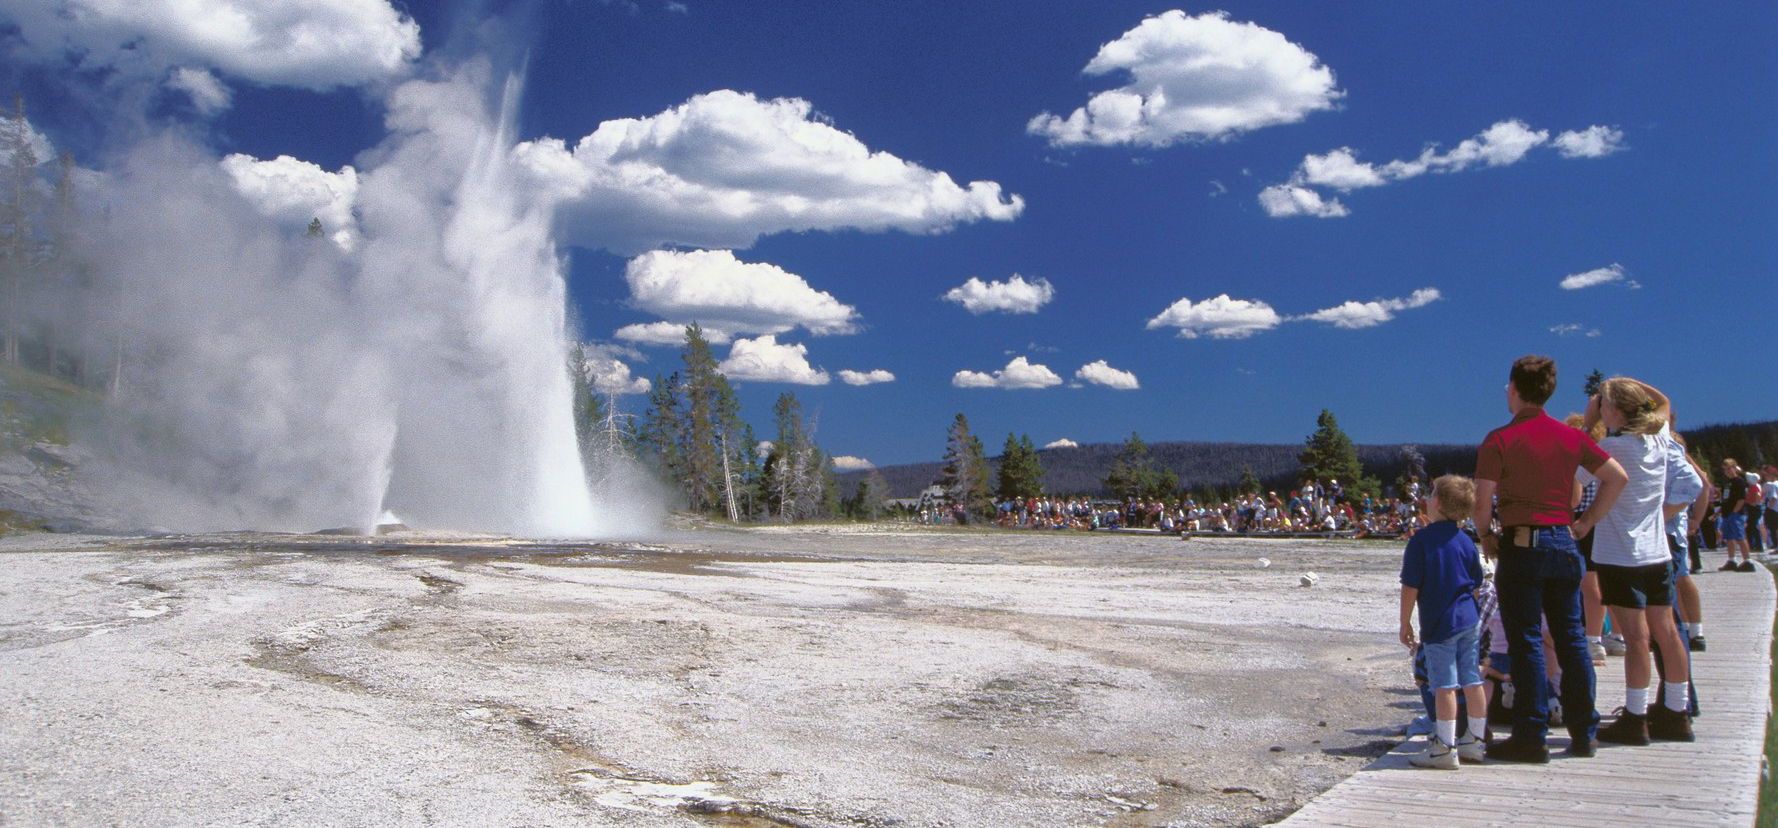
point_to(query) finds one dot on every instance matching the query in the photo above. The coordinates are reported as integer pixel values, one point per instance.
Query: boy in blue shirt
(1440, 571)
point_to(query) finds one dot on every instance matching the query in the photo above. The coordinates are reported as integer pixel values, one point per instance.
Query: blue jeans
(1535, 583)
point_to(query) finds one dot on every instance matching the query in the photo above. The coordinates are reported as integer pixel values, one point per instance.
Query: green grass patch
(36, 407)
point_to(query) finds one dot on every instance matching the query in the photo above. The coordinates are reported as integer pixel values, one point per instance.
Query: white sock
(1478, 728)
(1636, 700)
(1678, 695)
(1697, 628)
(1446, 730)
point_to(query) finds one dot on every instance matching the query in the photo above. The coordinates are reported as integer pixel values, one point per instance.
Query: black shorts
(1636, 587)
(1585, 545)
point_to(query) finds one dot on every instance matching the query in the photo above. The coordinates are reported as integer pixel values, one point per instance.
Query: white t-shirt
(1632, 533)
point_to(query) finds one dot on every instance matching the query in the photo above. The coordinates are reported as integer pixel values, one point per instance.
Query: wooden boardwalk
(1713, 781)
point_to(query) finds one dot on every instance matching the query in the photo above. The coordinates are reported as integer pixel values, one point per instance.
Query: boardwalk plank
(1713, 781)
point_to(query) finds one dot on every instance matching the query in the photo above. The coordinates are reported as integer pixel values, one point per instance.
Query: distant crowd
(1315, 508)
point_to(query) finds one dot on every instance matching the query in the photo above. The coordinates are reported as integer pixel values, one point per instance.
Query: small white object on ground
(1262, 563)
(1309, 579)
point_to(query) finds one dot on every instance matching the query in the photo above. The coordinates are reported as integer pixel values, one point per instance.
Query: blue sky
(1389, 197)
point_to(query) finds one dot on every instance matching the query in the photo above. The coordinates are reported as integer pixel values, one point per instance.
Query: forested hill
(1081, 470)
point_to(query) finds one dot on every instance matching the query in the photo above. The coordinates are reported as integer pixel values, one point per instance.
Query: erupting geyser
(285, 382)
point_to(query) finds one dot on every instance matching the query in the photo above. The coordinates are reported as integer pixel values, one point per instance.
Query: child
(1440, 572)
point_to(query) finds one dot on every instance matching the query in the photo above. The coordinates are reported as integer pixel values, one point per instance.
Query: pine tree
(1021, 470)
(1134, 474)
(964, 476)
(1328, 454)
(315, 230)
(711, 428)
(1594, 380)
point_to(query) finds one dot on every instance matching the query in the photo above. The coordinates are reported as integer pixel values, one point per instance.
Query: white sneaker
(1436, 755)
(1471, 748)
(1596, 649)
(1614, 645)
(1555, 711)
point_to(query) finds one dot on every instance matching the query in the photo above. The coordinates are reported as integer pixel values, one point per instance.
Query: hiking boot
(1727, 567)
(1615, 646)
(1470, 748)
(1629, 729)
(1436, 755)
(1596, 649)
(1669, 725)
(1519, 750)
(1746, 566)
(1582, 749)
(1697, 644)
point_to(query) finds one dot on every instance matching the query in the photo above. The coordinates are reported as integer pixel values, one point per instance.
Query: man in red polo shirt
(1529, 464)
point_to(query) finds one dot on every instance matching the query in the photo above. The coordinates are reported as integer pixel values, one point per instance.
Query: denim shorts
(1734, 527)
(1454, 662)
(1636, 587)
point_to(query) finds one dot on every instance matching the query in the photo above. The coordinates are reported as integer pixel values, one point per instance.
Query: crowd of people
(1601, 516)
(1314, 508)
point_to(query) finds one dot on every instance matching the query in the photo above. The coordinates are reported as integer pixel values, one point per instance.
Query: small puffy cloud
(1194, 78)
(1573, 328)
(851, 377)
(1019, 373)
(1101, 373)
(846, 463)
(714, 288)
(312, 44)
(1593, 142)
(1339, 169)
(1220, 317)
(1283, 200)
(1061, 443)
(724, 168)
(1610, 274)
(207, 94)
(1015, 295)
(762, 359)
(1353, 315)
(294, 192)
(611, 375)
(668, 333)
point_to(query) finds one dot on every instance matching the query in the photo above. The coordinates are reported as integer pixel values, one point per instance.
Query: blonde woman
(1635, 564)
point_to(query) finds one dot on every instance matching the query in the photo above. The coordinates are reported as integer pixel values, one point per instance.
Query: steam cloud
(276, 381)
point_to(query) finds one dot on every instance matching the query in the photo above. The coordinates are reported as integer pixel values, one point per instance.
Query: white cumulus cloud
(294, 192)
(312, 44)
(715, 289)
(1015, 295)
(668, 333)
(1339, 169)
(1353, 314)
(1609, 274)
(846, 462)
(762, 359)
(1593, 142)
(1061, 443)
(208, 95)
(1220, 317)
(610, 374)
(1194, 78)
(1100, 373)
(851, 377)
(1019, 373)
(724, 168)
(1282, 200)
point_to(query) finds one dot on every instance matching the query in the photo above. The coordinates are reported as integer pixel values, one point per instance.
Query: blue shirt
(1444, 565)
